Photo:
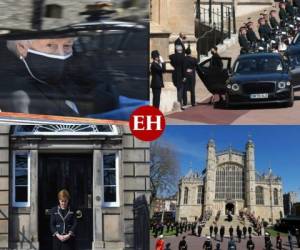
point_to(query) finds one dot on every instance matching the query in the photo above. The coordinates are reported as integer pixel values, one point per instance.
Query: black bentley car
(258, 79)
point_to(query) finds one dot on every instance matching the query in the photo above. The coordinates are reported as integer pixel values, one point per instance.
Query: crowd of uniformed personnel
(267, 24)
(240, 236)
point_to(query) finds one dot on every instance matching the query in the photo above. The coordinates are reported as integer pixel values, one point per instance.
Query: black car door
(294, 67)
(215, 83)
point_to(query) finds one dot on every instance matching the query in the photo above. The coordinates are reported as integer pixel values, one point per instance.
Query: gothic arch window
(275, 195)
(259, 191)
(199, 195)
(179, 196)
(229, 182)
(186, 195)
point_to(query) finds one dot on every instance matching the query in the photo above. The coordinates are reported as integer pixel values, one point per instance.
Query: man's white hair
(12, 45)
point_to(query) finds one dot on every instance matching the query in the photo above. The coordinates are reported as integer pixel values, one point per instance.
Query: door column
(33, 166)
(97, 209)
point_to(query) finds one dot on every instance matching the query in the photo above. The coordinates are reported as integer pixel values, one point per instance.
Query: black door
(215, 82)
(74, 173)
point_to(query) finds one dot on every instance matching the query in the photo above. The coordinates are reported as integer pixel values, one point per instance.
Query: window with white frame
(21, 179)
(110, 180)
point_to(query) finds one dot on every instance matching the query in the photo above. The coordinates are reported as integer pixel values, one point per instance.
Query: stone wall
(136, 172)
(191, 210)
(269, 210)
(4, 186)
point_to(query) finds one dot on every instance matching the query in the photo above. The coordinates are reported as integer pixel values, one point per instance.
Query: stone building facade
(230, 182)
(105, 169)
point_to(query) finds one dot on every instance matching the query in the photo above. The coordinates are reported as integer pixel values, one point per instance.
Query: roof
(257, 55)
(192, 175)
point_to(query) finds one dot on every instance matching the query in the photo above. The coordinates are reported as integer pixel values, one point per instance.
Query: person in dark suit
(289, 9)
(222, 232)
(180, 41)
(244, 43)
(190, 65)
(182, 244)
(273, 21)
(267, 22)
(177, 62)
(251, 36)
(216, 63)
(263, 30)
(297, 4)
(158, 67)
(63, 223)
(282, 14)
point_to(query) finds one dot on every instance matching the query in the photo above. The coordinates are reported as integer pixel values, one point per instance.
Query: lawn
(273, 232)
(170, 233)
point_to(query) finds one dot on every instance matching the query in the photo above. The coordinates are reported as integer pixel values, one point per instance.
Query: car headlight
(228, 86)
(235, 87)
(282, 85)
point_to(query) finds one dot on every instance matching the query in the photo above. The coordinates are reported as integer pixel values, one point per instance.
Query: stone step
(222, 222)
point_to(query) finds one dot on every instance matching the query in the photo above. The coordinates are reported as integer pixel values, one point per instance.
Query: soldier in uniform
(63, 223)
(282, 14)
(244, 43)
(273, 20)
(199, 230)
(263, 30)
(289, 8)
(211, 229)
(222, 232)
(251, 36)
(231, 231)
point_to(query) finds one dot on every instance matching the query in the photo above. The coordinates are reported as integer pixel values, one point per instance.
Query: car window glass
(258, 65)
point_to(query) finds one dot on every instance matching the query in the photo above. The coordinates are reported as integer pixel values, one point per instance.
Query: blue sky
(277, 147)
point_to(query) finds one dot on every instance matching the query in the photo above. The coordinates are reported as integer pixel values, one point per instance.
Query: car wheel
(291, 101)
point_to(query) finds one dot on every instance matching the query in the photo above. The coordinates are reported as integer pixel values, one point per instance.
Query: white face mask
(60, 57)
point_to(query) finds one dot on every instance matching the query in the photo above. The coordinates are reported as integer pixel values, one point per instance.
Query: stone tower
(250, 176)
(210, 179)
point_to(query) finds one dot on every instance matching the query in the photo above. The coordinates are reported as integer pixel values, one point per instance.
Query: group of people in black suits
(183, 75)
(266, 24)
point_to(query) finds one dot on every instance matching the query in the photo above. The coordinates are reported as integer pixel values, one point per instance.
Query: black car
(259, 78)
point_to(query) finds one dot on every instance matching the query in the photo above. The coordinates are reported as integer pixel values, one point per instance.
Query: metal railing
(214, 23)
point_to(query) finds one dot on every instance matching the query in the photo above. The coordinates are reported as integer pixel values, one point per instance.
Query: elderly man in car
(34, 79)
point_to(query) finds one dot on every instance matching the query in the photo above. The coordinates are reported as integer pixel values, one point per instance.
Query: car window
(83, 59)
(258, 65)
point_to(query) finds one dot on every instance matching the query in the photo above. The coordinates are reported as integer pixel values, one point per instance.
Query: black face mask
(45, 68)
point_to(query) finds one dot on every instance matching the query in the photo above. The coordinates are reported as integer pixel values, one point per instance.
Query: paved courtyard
(196, 243)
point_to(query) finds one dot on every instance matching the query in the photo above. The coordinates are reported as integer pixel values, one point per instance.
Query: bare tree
(164, 169)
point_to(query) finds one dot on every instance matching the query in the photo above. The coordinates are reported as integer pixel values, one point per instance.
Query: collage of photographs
(82, 164)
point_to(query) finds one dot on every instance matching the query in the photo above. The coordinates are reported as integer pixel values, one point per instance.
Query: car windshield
(258, 65)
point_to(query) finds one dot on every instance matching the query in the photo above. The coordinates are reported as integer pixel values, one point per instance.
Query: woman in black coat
(158, 67)
(63, 223)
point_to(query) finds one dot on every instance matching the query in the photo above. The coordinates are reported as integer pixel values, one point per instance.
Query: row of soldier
(266, 25)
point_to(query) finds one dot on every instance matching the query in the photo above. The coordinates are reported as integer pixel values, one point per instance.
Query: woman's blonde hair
(63, 195)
